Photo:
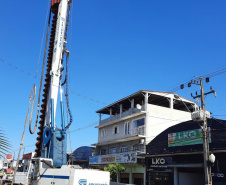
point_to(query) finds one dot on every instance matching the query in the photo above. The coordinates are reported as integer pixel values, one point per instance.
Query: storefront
(134, 165)
(158, 172)
(176, 155)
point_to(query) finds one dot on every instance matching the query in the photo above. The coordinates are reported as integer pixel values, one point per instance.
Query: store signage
(219, 175)
(160, 162)
(9, 156)
(127, 157)
(189, 137)
(27, 156)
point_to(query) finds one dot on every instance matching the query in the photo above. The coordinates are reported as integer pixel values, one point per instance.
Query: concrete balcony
(138, 131)
(134, 134)
(125, 115)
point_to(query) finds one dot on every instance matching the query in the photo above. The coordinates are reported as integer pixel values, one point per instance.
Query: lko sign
(188, 137)
(160, 162)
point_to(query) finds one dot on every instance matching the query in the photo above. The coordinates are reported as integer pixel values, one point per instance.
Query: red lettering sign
(108, 159)
(9, 156)
(27, 156)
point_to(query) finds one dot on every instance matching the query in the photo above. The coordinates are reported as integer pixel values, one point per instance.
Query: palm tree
(5, 146)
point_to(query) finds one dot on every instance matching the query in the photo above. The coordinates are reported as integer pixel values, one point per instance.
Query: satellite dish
(138, 106)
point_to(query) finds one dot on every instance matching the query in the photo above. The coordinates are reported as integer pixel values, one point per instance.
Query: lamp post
(212, 158)
(211, 162)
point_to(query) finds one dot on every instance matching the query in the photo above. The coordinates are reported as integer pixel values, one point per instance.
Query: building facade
(131, 124)
(176, 155)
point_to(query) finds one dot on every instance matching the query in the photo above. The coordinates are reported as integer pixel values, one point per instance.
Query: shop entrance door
(159, 178)
(138, 178)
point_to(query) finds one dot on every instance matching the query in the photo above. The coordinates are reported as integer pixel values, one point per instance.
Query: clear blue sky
(117, 48)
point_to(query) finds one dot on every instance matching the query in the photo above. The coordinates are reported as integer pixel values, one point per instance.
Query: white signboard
(127, 157)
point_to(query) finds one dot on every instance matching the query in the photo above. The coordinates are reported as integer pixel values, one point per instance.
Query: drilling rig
(51, 140)
(49, 164)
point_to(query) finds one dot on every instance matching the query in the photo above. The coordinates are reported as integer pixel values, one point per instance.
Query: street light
(212, 158)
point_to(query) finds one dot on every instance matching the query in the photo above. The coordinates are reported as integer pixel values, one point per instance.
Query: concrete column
(99, 118)
(146, 102)
(176, 176)
(130, 176)
(132, 106)
(120, 110)
(144, 177)
(110, 113)
(171, 103)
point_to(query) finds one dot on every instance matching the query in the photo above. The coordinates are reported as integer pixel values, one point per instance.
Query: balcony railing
(124, 114)
(139, 150)
(138, 131)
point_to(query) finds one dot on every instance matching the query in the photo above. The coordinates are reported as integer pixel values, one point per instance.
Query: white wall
(160, 118)
(109, 131)
(157, 119)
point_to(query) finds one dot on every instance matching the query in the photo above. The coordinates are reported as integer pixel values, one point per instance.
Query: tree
(4, 144)
(115, 170)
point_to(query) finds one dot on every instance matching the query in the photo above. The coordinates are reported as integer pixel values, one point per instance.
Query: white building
(131, 124)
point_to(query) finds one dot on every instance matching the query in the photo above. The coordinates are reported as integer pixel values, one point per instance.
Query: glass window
(138, 122)
(124, 149)
(103, 133)
(103, 152)
(138, 148)
(44, 165)
(113, 151)
(127, 128)
(115, 129)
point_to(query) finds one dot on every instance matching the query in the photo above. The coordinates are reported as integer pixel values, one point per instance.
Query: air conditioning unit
(141, 141)
(199, 115)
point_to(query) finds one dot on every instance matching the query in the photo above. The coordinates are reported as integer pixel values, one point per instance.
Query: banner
(189, 137)
(127, 157)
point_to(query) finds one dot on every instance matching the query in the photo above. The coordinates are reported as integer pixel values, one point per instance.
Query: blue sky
(117, 48)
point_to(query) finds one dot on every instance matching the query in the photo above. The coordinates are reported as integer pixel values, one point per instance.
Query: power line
(17, 68)
(173, 90)
(34, 76)
(85, 127)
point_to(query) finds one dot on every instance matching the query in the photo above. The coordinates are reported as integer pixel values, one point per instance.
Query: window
(138, 127)
(116, 129)
(124, 149)
(103, 152)
(44, 165)
(138, 148)
(127, 128)
(113, 151)
(138, 122)
(103, 133)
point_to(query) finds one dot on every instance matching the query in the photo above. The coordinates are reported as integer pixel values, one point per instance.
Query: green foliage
(4, 144)
(114, 170)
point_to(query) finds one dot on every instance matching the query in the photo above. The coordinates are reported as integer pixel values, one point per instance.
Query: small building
(132, 123)
(81, 156)
(175, 156)
(26, 160)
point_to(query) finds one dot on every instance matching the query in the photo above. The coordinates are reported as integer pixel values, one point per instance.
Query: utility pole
(208, 179)
(205, 133)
